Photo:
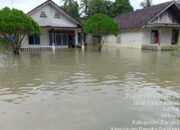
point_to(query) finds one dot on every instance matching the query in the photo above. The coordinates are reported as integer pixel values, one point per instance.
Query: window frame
(34, 40)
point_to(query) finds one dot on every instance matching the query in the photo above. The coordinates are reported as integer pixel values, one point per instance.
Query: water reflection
(72, 89)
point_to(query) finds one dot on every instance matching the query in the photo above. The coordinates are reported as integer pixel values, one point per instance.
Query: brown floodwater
(76, 90)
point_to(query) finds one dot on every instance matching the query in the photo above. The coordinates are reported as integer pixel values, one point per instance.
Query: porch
(63, 37)
(161, 37)
(156, 47)
(58, 37)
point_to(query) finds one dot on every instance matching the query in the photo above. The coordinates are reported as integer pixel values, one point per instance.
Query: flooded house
(154, 28)
(58, 28)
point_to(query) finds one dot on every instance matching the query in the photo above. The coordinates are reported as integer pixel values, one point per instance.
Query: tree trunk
(99, 42)
(16, 51)
(100, 47)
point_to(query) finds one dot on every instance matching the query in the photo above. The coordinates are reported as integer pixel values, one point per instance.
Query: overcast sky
(27, 5)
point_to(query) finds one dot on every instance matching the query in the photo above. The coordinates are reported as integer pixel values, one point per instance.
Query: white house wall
(89, 39)
(166, 18)
(131, 38)
(44, 40)
(166, 36)
(111, 39)
(146, 36)
(50, 11)
(137, 38)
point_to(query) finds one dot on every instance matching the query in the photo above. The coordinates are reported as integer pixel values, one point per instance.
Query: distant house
(156, 27)
(57, 28)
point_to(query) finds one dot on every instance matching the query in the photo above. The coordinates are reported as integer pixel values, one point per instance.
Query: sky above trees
(27, 5)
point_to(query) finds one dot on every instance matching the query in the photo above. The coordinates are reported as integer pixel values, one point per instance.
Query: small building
(155, 28)
(58, 28)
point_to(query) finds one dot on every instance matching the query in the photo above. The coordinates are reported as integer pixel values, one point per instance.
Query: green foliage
(121, 6)
(107, 7)
(176, 51)
(72, 7)
(96, 6)
(15, 23)
(146, 3)
(100, 25)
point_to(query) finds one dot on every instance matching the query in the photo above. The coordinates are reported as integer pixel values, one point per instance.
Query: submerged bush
(2, 46)
(176, 51)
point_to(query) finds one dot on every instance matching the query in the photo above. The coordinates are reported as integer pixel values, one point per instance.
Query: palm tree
(72, 7)
(146, 3)
(84, 6)
(67, 2)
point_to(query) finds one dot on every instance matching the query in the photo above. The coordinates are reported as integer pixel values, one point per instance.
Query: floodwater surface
(76, 90)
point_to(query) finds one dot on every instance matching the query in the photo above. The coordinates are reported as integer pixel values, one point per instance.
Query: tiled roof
(139, 18)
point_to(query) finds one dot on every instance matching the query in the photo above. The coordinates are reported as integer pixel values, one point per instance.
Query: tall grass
(176, 51)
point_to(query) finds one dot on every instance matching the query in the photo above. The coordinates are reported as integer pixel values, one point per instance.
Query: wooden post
(159, 37)
(83, 44)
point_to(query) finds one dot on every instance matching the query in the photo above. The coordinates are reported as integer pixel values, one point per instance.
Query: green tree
(146, 3)
(72, 7)
(96, 6)
(100, 26)
(107, 7)
(14, 26)
(121, 6)
(91, 7)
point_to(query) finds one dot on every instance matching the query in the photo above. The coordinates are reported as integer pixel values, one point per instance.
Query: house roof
(139, 18)
(57, 7)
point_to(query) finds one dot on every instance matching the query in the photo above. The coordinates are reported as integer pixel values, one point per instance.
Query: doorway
(154, 36)
(175, 36)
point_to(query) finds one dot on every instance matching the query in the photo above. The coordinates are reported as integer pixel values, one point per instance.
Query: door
(58, 39)
(52, 39)
(71, 41)
(175, 36)
(64, 39)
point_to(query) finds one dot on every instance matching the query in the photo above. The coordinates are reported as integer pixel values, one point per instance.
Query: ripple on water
(71, 84)
(110, 82)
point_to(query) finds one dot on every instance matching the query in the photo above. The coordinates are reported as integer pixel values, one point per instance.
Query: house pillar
(76, 38)
(83, 40)
(160, 35)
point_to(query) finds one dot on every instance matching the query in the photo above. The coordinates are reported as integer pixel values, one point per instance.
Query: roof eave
(173, 2)
(57, 7)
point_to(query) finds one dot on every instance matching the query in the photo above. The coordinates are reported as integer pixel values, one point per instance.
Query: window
(175, 36)
(43, 15)
(57, 15)
(34, 40)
